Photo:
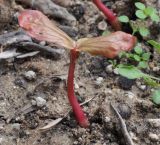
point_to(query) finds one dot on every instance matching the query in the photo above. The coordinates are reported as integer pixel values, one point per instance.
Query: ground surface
(93, 78)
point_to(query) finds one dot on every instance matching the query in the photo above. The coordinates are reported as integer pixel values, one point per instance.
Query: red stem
(113, 20)
(79, 114)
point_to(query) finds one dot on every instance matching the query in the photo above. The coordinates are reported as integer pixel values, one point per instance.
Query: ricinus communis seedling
(38, 26)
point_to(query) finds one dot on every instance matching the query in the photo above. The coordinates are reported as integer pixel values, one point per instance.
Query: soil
(21, 119)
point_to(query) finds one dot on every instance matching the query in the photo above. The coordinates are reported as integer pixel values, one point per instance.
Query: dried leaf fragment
(51, 124)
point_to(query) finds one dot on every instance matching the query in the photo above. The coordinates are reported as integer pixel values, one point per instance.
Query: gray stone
(154, 122)
(109, 68)
(153, 137)
(102, 25)
(99, 80)
(16, 126)
(30, 75)
(40, 102)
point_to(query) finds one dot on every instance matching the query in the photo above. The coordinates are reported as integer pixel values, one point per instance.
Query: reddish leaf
(40, 27)
(108, 46)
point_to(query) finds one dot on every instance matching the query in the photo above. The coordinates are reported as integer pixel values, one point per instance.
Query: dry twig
(123, 127)
(56, 53)
(48, 7)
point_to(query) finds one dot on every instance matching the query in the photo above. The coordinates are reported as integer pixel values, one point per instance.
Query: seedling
(142, 13)
(112, 18)
(138, 56)
(40, 27)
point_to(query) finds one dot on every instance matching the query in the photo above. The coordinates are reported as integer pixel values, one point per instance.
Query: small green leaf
(130, 72)
(155, 44)
(149, 11)
(156, 97)
(140, 14)
(136, 57)
(143, 64)
(146, 56)
(155, 17)
(138, 50)
(123, 19)
(143, 31)
(140, 6)
(149, 81)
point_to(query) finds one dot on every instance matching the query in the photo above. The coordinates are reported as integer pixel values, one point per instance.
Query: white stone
(109, 68)
(143, 87)
(99, 80)
(154, 122)
(116, 71)
(30, 75)
(107, 119)
(43, 43)
(130, 95)
(16, 126)
(40, 101)
(102, 25)
(153, 137)
(156, 69)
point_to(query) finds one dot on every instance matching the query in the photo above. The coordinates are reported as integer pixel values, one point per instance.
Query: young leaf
(108, 46)
(138, 50)
(155, 44)
(136, 57)
(148, 11)
(123, 19)
(143, 31)
(140, 14)
(38, 26)
(130, 72)
(155, 18)
(140, 6)
(143, 64)
(149, 81)
(156, 97)
(146, 56)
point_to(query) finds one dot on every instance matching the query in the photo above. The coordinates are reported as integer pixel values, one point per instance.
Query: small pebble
(99, 80)
(43, 43)
(133, 136)
(155, 69)
(153, 137)
(143, 87)
(154, 122)
(40, 102)
(16, 126)
(30, 75)
(107, 119)
(130, 95)
(109, 68)
(20, 82)
(102, 25)
(76, 85)
(116, 71)
(124, 110)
